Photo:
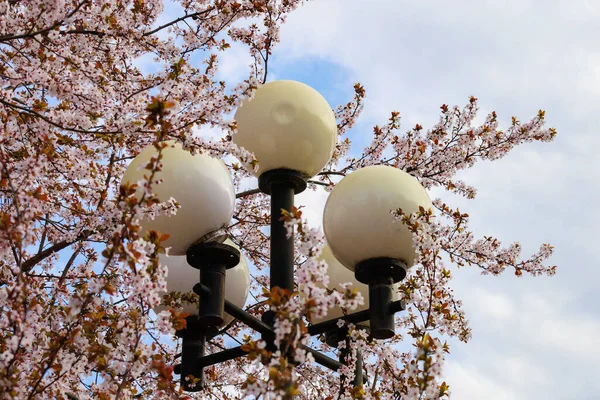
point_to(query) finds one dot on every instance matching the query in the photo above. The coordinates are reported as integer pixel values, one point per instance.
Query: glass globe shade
(201, 185)
(357, 220)
(339, 274)
(287, 125)
(182, 278)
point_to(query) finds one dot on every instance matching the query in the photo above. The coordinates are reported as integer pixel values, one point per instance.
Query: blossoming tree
(78, 279)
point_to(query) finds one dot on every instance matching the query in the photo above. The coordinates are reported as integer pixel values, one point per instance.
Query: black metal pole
(259, 326)
(380, 274)
(249, 320)
(236, 312)
(382, 320)
(236, 352)
(192, 350)
(282, 247)
(267, 332)
(358, 371)
(281, 185)
(213, 259)
(211, 309)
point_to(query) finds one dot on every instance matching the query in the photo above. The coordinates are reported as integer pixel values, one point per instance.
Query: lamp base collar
(377, 270)
(286, 177)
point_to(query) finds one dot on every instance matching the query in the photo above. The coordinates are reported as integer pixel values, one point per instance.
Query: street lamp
(201, 185)
(378, 249)
(291, 130)
(338, 274)
(182, 278)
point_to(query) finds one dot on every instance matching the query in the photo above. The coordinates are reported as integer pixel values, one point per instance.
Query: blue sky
(533, 338)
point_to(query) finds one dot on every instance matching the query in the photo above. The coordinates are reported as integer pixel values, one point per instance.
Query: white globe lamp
(200, 184)
(287, 125)
(357, 217)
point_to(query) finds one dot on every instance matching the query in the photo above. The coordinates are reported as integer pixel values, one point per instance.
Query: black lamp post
(212, 257)
(292, 132)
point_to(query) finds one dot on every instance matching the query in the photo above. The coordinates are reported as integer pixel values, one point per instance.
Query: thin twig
(69, 264)
(194, 15)
(247, 193)
(48, 120)
(31, 262)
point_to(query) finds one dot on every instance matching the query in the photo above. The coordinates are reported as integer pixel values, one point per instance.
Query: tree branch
(247, 193)
(257, 190)
(32, 34)
(69, 264)
(194, 15)
(31, 262)
(325, 173)
(48, 120)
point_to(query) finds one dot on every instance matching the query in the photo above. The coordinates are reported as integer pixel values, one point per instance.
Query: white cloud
(469, 383)
(523, 343)
(234, 64)
(533, 338)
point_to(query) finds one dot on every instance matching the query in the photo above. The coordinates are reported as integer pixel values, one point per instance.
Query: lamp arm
(316, 329)
(354, 318)
(266, 330)
(236, 352)
(236, 312)
(259, 326)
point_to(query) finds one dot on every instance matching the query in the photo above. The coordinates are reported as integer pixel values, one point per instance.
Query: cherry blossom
(79, 279)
